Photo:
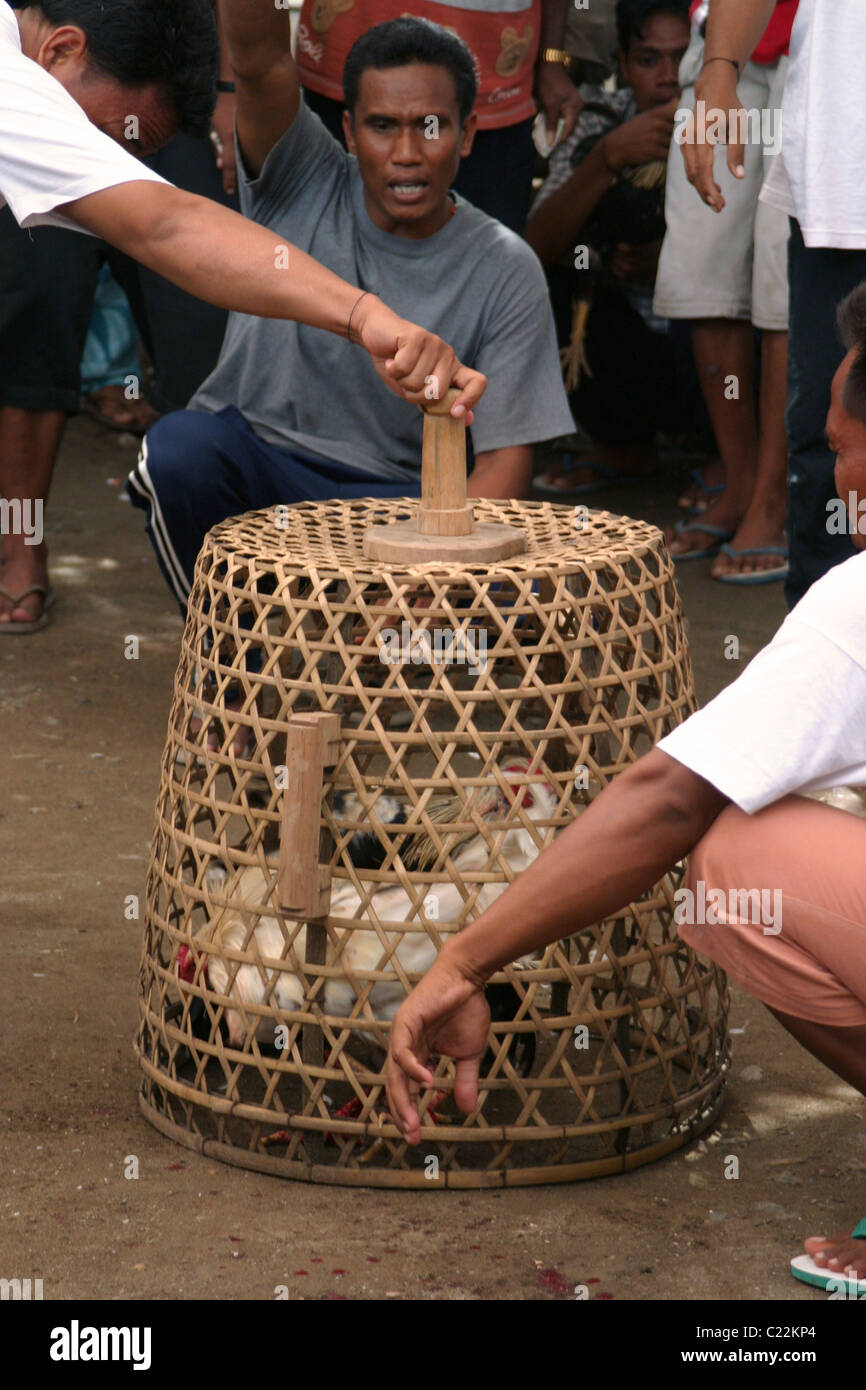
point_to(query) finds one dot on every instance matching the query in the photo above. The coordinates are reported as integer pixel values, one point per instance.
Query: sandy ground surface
(83, 729)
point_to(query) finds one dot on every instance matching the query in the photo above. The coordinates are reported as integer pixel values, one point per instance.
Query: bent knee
(187, 441)
(740, 847)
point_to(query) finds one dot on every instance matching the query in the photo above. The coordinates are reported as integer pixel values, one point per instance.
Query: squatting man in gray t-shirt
(291, 413)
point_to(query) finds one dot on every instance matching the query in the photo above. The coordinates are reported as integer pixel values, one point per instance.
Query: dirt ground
(83, 730)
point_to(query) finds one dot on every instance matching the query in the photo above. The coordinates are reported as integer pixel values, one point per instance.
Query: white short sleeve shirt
(50, 153)
(795, 720)
(821, 176)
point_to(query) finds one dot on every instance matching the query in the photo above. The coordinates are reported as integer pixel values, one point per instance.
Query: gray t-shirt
(474, 282)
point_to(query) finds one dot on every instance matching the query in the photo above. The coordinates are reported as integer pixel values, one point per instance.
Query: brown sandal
(139, 422)
(16, 629)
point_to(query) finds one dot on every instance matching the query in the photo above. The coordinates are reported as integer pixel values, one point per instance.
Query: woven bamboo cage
(312, 715)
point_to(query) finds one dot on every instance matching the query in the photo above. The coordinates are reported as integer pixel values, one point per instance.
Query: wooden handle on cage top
(444, 529)
(444, 510)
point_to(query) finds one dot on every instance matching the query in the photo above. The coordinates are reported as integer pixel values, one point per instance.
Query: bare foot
(843, 1254)
(20, 569)
(759, 527)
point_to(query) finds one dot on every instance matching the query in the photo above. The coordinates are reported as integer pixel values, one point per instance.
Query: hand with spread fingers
(408, 358)
(717, 116)
(446, 1013)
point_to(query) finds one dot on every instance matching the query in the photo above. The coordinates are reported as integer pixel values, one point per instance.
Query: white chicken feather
(246, 925)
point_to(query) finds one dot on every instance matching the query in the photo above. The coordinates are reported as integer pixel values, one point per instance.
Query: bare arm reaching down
(639, 826)
(234, 263)
(734, 27)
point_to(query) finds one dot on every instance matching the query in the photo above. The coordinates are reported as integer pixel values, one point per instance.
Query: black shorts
(47, 282)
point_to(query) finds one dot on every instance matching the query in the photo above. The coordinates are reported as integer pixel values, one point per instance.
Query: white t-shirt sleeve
(820, 176)
(50, 153)
(795, 720)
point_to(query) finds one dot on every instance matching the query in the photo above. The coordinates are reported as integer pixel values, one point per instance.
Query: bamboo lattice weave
(458, 763)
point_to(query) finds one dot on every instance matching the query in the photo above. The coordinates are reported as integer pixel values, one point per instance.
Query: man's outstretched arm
(235, 263)
(640, 825)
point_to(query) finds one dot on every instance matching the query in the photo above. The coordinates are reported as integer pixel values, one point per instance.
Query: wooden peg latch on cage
(445, 527)
(303, 880)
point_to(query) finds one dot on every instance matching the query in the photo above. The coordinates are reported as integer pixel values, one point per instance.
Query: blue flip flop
(835, 1282)
(709, 530)
(759, 576)
(707, 492)
(607, 477)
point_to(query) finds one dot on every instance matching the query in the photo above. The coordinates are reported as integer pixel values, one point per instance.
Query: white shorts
(732, 264)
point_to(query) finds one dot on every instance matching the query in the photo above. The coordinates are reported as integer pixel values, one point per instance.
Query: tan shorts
(809, 861)
(732, 264)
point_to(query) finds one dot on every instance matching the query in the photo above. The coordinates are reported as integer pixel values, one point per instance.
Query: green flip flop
(707, 491)
(834, 1282)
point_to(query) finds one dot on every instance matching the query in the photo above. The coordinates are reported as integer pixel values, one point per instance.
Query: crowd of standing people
(669, 306)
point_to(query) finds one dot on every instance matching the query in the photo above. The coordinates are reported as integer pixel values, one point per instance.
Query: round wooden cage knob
(445, 527)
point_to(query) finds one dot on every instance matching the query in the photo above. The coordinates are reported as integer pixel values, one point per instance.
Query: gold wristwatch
(556, 55)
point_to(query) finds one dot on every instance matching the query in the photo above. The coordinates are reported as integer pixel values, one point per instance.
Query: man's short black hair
(171, 44)
(632, 15)
(851, 323)
(399, 42)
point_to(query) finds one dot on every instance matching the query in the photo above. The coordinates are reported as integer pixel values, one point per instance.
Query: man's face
(63, 53)
(407, 137)
(651, 66)
(846, 436)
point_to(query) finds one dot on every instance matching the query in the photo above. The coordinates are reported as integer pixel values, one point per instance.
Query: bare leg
(725, 359)
(843, 1050)
(764, 521)
(29, 441)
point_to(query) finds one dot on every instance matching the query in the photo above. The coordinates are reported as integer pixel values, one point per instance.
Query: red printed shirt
(502, 34)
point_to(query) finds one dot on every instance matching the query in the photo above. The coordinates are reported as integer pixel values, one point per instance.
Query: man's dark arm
(646, 820)
(556, 221)
(235, 263)
(557, 95)
(257, 37)
(501, 472)
(559, 218)
(637, 829)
